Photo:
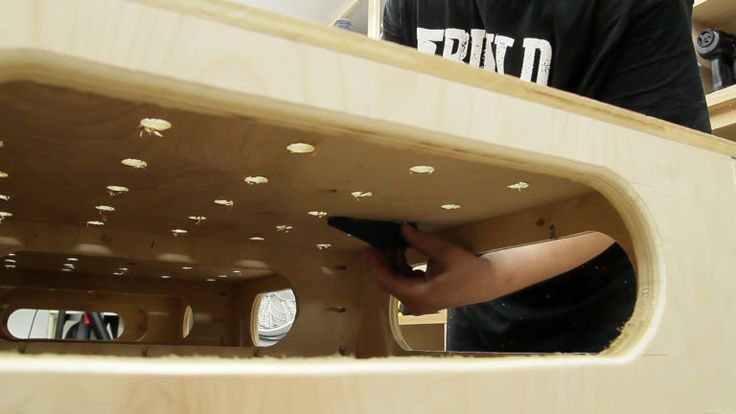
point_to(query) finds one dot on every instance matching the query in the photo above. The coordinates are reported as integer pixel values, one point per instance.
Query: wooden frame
(671, 188)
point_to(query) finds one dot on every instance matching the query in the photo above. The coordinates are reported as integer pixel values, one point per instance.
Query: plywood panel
(63, 148)
(672, 188)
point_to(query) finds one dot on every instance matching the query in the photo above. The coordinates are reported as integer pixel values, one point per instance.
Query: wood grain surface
(238, 86)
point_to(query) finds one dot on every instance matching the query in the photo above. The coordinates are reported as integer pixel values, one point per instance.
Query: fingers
(387, 276)
(397, 257)
(435, 248)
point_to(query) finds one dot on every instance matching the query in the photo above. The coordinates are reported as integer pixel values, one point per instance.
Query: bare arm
(519, 267)
(456, 277)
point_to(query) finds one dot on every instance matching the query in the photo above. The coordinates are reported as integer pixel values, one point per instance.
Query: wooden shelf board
(719, 14)
(722, 108)
(433, 318)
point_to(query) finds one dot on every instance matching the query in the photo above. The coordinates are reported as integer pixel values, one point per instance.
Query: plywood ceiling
(62, 148)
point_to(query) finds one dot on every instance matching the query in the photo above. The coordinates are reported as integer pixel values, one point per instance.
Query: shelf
(722, 108)
(430, 319)
(719, 14)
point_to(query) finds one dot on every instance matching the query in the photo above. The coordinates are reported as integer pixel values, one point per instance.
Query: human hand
(452, 278)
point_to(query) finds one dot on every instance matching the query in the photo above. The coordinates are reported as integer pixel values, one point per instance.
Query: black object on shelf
(720, 48)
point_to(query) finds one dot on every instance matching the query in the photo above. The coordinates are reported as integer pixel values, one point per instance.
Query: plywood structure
(240, 85)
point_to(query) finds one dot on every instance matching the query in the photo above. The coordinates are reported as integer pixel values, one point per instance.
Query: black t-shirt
(636, 54)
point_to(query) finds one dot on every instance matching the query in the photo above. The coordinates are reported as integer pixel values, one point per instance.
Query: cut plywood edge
(722, 108)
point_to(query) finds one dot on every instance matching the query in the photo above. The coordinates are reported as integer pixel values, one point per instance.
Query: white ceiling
(318, 11)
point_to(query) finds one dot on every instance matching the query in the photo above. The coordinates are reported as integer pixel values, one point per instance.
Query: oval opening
(187, 321)
(65, 325)
(581, 310)
(273, 316)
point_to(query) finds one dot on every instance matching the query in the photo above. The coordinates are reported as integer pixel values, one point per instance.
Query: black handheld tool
(380, 234)
(720, 48)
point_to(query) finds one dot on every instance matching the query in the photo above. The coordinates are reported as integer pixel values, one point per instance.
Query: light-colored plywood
(432, 318)
(425, 337)
(722, 108)
(229, 78)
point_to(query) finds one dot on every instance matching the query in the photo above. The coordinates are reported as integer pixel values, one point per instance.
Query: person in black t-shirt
(570, 295)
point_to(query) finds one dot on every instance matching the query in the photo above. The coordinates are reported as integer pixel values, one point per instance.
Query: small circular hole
(223, 202)
(255, 180)
(361, 194)
(134, 163)
(421, 169)
(518, 186)
(300, 148)
(155, 124)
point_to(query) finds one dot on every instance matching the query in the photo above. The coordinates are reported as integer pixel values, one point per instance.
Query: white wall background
(317, 11)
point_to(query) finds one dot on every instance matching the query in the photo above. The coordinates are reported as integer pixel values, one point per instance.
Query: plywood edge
(722, 108)
(350, 43)
(172, 366)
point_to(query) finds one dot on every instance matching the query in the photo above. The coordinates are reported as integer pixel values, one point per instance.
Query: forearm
(456, 277)
(513, 269)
